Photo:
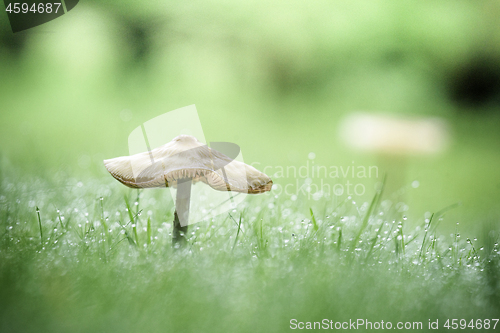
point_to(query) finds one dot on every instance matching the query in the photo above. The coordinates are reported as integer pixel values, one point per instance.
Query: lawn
(74, 258)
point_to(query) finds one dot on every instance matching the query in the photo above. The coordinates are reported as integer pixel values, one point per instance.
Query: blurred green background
(275, 77)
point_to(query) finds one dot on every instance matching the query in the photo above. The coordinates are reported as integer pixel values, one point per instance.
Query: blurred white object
(395, 135)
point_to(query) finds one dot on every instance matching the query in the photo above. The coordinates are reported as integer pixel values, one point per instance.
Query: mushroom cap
(395, 135)
(187, 158)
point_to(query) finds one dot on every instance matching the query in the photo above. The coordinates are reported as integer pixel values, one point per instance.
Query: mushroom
(393, 138)
(181, 163)
(395, 135)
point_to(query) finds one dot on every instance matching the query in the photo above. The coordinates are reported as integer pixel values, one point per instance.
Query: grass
(106, 263)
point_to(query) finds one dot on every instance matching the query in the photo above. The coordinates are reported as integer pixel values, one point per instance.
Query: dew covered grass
(97, 266)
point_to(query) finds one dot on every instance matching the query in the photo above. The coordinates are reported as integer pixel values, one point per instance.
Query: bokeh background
(276, 78)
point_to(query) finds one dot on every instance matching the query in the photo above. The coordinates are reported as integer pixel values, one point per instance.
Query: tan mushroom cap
(395, 135)
(187, 158)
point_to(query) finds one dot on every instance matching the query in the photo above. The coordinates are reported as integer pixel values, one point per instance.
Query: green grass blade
(130, 214)
(440, 213)
(375, 239)
(137, 214)
(425, 236)
(149, 231)
(371, 208)
(59, 218)
(339, 240)
(313, 219)
(39, 225)
(237, 234)
(132, 220)
(103, 222)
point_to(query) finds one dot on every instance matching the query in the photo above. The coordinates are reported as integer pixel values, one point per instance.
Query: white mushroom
(393, 138)
(395, 135)
(180, 163)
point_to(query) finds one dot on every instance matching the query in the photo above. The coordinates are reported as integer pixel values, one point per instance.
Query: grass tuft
(280, 259)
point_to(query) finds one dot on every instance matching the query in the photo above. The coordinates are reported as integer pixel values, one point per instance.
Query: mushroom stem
(181, 215)
(396, 169)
